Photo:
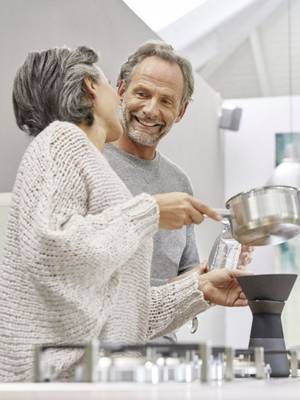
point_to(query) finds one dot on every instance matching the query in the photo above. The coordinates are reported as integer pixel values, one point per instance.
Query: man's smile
(139, 123)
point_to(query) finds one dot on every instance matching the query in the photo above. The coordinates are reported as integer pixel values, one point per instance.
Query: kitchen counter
(247, 389)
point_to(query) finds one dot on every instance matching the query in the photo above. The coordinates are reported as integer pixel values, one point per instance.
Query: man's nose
(151, 109)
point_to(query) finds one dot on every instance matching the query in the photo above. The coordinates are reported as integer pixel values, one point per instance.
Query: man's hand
(179, 209)
(245, 256)
(221, 287)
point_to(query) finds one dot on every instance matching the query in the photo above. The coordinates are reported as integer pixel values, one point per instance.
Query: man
(155, 86)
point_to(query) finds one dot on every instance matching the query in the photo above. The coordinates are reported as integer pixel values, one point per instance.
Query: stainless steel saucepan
(264, 216)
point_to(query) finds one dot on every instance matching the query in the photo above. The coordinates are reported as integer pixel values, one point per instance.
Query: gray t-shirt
(174, 252)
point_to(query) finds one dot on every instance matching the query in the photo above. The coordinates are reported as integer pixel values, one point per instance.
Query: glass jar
(226, 250)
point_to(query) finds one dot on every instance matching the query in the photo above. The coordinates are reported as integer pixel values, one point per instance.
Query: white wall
(249, 162)
(250, 153)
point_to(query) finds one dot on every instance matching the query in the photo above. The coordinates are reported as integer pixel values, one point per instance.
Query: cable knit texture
(77, 258)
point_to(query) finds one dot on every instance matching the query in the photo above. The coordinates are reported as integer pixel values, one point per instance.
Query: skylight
(157, 14)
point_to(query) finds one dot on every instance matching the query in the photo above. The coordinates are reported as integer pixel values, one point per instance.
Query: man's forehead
(159, 72)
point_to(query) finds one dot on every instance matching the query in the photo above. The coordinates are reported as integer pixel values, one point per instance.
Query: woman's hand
(179, 209)
(221, 287)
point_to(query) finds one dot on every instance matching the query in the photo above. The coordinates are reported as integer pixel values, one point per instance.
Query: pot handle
(223, 212)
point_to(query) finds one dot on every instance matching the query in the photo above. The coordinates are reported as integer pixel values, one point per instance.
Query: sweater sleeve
(174, 304)
(105, 240)
(73, 238)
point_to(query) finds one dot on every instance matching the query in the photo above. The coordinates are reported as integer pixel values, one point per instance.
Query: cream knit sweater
(77, 258)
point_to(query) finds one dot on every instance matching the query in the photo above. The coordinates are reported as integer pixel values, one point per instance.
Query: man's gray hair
(50, 86)
(165, 52)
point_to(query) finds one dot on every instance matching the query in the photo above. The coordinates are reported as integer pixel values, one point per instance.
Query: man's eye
(141, 94)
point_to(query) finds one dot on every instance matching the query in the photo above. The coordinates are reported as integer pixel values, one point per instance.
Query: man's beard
(142, 138)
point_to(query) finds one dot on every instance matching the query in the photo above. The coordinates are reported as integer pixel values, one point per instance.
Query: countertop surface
(275, 389)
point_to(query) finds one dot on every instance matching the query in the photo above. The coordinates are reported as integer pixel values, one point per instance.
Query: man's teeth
(146, 123)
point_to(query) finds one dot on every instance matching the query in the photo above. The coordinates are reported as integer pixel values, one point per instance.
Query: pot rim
(262, 189)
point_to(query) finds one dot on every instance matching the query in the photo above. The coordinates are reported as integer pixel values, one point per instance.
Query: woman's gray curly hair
(166, 52)
(50, 86)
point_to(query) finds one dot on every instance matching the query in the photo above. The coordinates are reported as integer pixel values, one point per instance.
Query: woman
(78, 250)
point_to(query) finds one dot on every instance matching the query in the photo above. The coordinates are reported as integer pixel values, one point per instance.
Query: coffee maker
(266, 296)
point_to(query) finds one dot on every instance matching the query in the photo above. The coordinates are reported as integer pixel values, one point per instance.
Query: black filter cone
(276, 287)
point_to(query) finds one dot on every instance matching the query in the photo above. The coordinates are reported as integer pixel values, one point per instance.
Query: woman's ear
(90, 86)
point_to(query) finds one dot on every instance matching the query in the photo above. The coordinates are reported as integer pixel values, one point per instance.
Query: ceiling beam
(209, 44)
(260, 64)
(214, 64)
(202, 21)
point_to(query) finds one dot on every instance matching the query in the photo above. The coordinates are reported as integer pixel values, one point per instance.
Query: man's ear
(90, 86)
(121, 88)
(182, 111)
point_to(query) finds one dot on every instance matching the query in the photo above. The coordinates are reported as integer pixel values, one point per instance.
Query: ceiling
(243, 48)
